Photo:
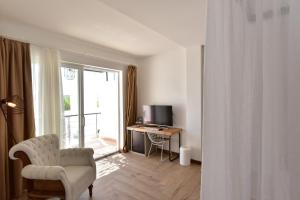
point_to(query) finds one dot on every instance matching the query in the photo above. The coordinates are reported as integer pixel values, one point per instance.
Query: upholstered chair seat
(64, 173)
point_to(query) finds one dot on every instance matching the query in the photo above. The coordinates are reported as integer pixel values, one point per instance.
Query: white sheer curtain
(251, 138)
(47, 91)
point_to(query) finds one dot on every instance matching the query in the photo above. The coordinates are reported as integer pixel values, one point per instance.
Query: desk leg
(170, 154)
(130, 133)
(179, 138)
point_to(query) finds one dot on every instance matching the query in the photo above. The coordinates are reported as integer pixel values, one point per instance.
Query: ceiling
(138, 27)
(182, 21)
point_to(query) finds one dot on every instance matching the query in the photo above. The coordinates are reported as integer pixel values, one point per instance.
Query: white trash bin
(185, 156)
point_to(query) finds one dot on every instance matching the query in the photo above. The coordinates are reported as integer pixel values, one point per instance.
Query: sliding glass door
(91, 103)
(70, 83)
(101, 111)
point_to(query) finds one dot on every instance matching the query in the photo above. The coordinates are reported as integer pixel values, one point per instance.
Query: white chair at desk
(158, 141)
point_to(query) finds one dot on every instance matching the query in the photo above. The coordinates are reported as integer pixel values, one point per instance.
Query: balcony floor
(102, 145)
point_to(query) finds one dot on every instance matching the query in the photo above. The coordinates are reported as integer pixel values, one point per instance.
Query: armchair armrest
(53, 173)
(77, 156)
(44, 172)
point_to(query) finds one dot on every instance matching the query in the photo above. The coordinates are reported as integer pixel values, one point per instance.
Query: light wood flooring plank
(130, 176)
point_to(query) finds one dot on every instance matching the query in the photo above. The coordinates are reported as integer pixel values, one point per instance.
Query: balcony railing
(91, 123)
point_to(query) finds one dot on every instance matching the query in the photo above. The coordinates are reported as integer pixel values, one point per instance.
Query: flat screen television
(161, 115)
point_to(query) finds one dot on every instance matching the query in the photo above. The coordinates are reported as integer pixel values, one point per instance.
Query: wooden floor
(131, 176)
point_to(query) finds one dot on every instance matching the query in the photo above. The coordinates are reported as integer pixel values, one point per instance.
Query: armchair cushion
(77, 157)
(44, 172)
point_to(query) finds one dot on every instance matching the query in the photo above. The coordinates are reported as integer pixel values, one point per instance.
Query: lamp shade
(12, 105)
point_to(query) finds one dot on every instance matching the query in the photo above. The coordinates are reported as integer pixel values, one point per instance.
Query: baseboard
(196, 162)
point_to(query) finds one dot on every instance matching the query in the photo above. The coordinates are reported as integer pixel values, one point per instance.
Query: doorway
(91, 108)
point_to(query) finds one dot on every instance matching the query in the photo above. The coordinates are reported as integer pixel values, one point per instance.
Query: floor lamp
(11, 105)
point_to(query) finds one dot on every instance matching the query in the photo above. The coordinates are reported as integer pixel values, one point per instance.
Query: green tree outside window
(67, 103)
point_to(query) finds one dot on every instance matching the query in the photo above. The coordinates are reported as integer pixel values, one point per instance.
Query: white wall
(193, 116)
(27, 33)
(174, 78)
(162, 80)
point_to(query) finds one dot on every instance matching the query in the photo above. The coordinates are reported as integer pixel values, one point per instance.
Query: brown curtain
(15, 79)
(131, 102)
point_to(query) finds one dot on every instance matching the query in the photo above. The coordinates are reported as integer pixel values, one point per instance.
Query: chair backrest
(42, 150)
(155, 138)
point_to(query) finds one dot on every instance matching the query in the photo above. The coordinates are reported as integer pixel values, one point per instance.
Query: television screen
(158, 115)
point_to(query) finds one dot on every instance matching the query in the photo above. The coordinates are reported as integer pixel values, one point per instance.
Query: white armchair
(50, 172)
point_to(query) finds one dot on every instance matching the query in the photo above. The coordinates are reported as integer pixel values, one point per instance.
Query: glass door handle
(83, 121)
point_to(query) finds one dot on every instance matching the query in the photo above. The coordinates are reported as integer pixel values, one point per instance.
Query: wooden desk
(167, 132)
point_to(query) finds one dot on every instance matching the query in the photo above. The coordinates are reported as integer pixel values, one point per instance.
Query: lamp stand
(5, 117)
